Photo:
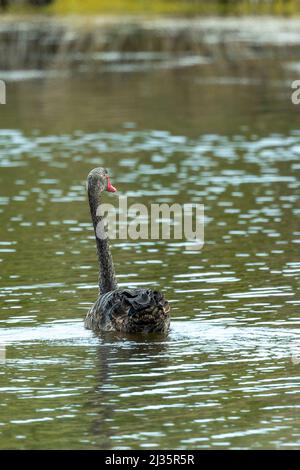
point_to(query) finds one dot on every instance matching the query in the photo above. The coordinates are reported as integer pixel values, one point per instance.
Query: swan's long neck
(107, 277)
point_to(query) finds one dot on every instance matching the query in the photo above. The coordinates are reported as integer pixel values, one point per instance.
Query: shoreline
(45, 42)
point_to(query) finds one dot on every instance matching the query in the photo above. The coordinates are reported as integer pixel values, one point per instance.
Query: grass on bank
(164, 7)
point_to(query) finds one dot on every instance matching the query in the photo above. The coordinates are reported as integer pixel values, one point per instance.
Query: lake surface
(227, 375)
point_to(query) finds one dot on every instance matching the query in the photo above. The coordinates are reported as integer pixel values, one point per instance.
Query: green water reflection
(227, 376)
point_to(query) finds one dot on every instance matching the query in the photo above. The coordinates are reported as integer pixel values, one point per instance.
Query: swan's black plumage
(126, 310)
(130, 311)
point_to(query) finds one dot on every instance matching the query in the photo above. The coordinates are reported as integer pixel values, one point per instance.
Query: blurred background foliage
(175, 7)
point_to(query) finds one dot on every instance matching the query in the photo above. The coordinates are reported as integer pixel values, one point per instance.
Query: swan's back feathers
(129, 310)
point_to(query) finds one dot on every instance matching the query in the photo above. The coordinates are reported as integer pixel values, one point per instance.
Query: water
(227, 375)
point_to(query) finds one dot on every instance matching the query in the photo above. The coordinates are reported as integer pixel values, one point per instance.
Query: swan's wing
(140, 310)
(142, 299)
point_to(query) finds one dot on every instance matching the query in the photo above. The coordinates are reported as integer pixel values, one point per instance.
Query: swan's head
(98, 181)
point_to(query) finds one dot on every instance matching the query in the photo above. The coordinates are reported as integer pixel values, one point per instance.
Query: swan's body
(130, 311)
(126, 310)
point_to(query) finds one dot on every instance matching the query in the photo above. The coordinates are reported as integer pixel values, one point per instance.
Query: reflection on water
(227, 375)
(187, 385)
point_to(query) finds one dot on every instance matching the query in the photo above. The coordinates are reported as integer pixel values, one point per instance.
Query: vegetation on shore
(167, 7)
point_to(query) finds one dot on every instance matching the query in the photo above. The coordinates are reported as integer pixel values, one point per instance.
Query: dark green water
(227, 375)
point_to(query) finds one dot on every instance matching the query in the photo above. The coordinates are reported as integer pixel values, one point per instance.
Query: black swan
(124, 310)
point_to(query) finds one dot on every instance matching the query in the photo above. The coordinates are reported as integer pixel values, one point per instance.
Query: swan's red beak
(110, 188)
